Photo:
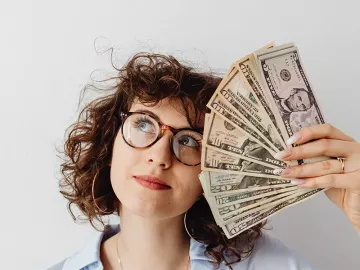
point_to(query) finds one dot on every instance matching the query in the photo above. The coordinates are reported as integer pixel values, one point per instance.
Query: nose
(160, 153)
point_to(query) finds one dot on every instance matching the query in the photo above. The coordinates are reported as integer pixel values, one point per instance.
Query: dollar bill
(220, 107)
(214, 183)
(239, 197)
(218, 219)
(239, 97)
(216, 161)
(247, 66)
(237, 226)
(289, 91)
(245, 218)
(224, 137)
(226, 214)
(229, 212)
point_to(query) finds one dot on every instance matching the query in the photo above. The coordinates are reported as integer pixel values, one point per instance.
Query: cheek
(123, 159)
(291, 99)
(189, 187)
(122, 153)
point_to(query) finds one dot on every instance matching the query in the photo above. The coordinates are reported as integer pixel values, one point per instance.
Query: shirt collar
(91, 253)
(197, 250)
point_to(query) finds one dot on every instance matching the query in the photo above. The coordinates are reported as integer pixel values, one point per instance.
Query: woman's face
(129, 164)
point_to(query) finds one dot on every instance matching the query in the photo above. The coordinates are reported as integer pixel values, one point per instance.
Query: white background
(47, 55)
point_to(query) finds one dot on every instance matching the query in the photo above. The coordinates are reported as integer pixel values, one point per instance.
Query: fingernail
(282, 171)
(297, 182)
(293, 139)
(283, 154)
(278, 171)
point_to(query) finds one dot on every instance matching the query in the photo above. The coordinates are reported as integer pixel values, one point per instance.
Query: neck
(149, 243)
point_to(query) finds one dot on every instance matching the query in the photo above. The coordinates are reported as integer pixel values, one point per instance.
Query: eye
(144, 124)
(300, 98)
(189, 141)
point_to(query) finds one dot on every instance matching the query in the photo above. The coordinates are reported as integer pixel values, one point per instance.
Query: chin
(146, 206)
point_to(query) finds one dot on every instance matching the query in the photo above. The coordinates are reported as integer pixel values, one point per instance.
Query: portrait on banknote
(297, 108)
(255, 150)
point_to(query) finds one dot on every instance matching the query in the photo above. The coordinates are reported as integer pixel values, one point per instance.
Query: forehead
(169, 112)
(303, 94)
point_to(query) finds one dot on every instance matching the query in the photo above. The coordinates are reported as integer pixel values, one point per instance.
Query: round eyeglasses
(141, 130)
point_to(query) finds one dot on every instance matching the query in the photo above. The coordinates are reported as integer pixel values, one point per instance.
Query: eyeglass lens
(141, 130)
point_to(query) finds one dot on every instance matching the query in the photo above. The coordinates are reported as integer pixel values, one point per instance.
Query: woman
(136, 153)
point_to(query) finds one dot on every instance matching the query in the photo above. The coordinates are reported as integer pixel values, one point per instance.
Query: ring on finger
(342, 161)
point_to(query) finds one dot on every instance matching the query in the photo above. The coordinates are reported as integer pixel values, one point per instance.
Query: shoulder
(270, 253)
(79, 261)
(58, 266)
(89, 256)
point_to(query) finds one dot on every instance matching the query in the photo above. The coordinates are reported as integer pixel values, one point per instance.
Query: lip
(151, 182)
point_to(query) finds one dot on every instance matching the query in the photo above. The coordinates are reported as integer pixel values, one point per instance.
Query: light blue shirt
(268, 254)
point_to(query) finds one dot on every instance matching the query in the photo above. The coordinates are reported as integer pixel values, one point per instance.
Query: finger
(321, 147)
(346, 181)
(330, 166)
(316, 132)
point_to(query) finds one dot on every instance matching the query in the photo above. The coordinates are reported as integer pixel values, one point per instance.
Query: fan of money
(261, 102)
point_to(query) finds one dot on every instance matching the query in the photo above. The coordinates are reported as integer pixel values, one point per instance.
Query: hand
(344, 186)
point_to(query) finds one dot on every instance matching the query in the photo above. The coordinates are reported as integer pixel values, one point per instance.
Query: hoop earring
(93, 196)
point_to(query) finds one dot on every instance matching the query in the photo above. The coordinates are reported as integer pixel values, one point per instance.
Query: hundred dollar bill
(221, 135)
(289, 91)
(219, 162)
(237, 226)
(219, 106)
(239, 97)
(214, 183)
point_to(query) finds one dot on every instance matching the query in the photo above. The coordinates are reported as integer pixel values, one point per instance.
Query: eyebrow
(157, 117)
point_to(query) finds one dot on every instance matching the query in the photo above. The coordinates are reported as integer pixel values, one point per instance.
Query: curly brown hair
(149, 78)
